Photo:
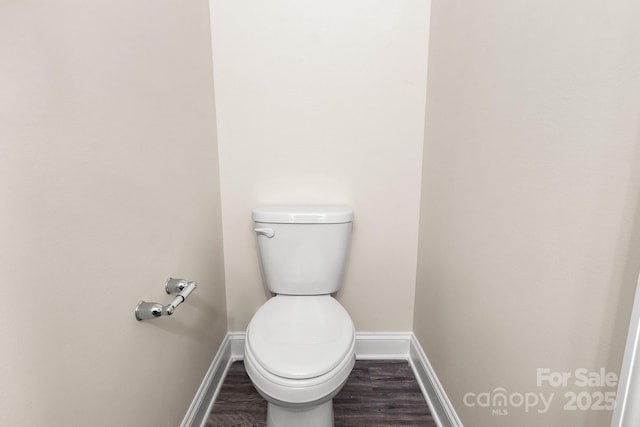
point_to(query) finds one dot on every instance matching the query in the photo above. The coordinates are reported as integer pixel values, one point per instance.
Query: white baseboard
(441, 408)
(236, 339)
(369, 346)
(382, 345)
(210, 386)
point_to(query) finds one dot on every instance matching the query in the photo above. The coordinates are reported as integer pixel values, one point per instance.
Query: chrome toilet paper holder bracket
(152, 310)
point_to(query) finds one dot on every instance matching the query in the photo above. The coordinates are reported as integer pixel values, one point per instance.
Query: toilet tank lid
(303, 214)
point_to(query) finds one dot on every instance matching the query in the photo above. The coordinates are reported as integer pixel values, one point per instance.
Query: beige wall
(108, 184)
(530, 216)
(323, 102)
(529, 242)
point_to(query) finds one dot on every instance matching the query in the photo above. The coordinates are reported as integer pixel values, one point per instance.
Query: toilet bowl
(300, 345)
(299, 352)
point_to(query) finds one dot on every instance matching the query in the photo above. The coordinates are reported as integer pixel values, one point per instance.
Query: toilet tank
(303, 249)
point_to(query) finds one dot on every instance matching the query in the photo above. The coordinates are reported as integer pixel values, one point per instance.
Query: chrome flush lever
(269, 232)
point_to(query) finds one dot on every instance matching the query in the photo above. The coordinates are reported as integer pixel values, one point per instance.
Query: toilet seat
(300, 337)
(288, 392)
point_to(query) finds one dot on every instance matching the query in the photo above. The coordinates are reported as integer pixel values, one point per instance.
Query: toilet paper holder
(152, 310)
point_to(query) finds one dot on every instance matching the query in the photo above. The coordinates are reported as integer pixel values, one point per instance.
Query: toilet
(300, 344)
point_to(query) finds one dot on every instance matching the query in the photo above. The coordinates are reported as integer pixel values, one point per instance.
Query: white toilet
(300, 345)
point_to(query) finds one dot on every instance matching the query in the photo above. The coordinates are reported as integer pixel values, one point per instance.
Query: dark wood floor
(377, 393)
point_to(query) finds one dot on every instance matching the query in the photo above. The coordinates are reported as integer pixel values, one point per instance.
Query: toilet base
(316, 416)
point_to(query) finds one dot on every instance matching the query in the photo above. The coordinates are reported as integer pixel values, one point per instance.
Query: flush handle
(269, 232)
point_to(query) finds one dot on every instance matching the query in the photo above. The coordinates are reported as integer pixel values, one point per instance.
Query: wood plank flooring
(377, 394)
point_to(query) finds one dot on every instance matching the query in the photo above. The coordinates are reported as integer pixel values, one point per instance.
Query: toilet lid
(300, 336)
